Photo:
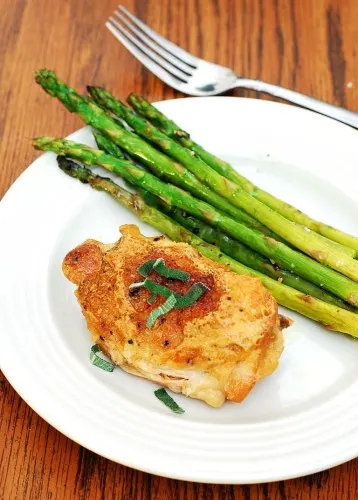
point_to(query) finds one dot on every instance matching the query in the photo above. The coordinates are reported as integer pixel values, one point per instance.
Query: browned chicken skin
(214, 350)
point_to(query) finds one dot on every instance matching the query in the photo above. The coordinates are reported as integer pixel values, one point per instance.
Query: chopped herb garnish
(169, 272)
(158, 265)
(152, 298)
(136, 285)
(164, 397)
(147, 268)
(99, 362)
(168, 305)
(174, 300)
(192, 295)
(186, 300)
(157, 289)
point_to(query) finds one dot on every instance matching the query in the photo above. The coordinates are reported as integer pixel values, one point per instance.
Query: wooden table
(308, 46)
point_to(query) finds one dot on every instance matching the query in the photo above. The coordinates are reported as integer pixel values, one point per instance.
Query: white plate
(302, 419)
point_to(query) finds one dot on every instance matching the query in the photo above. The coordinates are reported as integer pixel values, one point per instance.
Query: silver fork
(194, 76)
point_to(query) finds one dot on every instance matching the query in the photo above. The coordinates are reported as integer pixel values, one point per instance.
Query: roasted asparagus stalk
(171, 129)
(286, 257)
(329, 315)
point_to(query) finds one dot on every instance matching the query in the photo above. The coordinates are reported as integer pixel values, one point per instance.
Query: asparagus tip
(44, 73)
(41, 142)
(73, 169)
(91, 89)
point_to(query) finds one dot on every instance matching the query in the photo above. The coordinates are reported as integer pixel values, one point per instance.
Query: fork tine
(150, 53)
(163, 42)
(152, 66)
(154, 46)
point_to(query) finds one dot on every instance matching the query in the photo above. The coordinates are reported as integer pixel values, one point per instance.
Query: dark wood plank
(308, 46)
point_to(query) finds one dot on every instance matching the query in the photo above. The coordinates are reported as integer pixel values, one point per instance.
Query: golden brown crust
(216, 349)
(82, 261)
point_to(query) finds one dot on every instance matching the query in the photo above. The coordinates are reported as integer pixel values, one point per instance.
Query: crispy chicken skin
(216, 349)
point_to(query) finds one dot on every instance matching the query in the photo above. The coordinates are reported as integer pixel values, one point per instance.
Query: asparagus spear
(163, 166)
(286, 257)
(330, 316)
(217, 182)
(108, 146)
(231, 247)
(307, 241)
(241, 252)
(172, 130)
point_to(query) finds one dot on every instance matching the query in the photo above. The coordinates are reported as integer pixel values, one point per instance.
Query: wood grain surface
(310, 46)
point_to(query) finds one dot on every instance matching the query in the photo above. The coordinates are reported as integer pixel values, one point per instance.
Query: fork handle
(336, 112)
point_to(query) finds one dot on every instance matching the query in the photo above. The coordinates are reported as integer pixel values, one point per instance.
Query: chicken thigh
(216, 349)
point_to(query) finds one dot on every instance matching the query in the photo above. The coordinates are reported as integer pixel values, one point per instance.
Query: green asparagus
(318, 250)
(328, 315)
(163, 166)
(241, 252)
(231, 247)
(220, 184)
(307, 241)
(108, 146)
(286, 257)
(172, 130)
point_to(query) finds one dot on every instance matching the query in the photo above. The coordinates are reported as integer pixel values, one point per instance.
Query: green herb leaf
(147, 268)
(164, 397)
(158, 289)
(192, 295)
(169, 272)
(173, 299)
(168, 305)
(99, 362)
(158, 265)
(152, 298)
(136, 285)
